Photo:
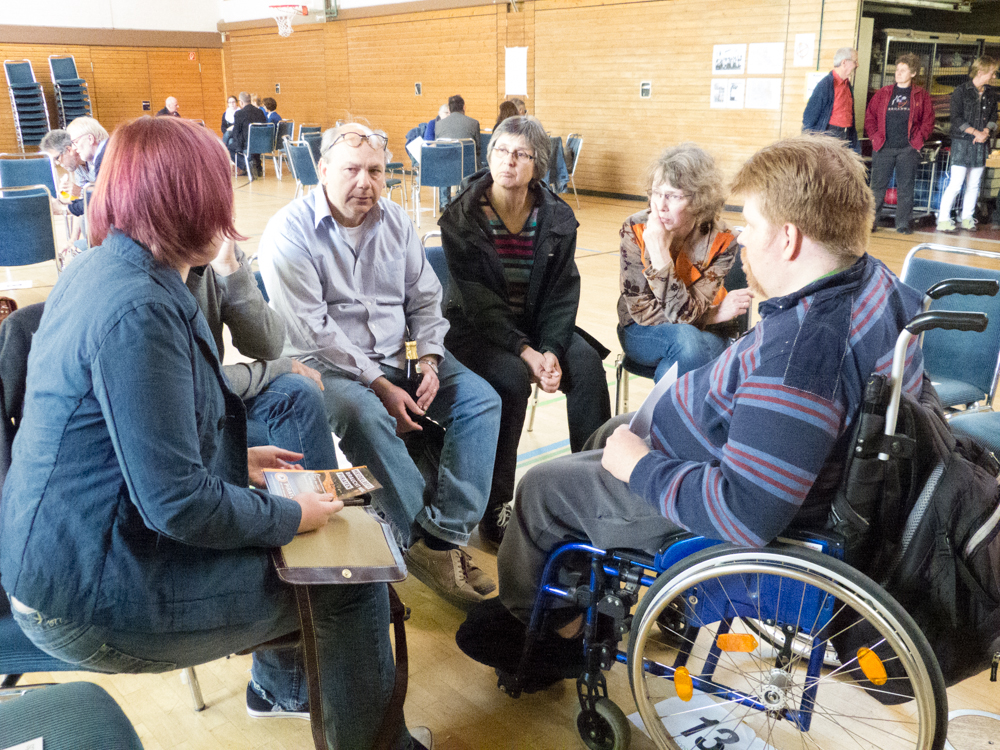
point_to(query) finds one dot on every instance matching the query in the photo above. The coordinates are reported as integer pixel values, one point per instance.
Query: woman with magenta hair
(129, 540)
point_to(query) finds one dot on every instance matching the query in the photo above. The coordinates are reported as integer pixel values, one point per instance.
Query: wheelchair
(733, 648)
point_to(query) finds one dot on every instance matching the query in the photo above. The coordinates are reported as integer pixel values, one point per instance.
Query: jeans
(661, 345)
(352, 634)
(469, 411)
(905, 162)
(955, 181)
(588, 404)
(290, 414)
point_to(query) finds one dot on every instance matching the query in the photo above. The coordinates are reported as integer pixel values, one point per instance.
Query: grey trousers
(571, 498)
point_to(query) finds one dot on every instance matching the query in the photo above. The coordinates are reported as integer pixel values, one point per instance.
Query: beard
(752, 283)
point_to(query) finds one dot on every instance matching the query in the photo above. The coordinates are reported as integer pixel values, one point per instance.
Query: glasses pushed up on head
(376, 140)
(519, 156)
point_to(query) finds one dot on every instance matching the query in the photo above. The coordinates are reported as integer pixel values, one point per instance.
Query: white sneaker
(969, 225)
(423, 736)
(946, 225)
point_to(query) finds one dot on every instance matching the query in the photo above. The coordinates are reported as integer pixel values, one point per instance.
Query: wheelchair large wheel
(716, 684)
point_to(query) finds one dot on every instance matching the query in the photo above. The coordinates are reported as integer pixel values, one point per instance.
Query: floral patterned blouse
(684, 288)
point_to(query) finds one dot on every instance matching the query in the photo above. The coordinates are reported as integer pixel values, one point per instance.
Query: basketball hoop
(283, 14)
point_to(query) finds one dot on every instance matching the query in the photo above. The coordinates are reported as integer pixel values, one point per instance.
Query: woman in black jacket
(973, 122)
(510, 245)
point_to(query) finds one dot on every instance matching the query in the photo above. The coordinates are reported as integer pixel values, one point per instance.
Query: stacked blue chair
(31, 116)
(72, 98)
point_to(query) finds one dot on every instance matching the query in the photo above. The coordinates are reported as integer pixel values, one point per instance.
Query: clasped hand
(545, 368)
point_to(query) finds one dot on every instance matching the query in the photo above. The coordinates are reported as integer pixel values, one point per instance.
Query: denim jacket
(109, 513)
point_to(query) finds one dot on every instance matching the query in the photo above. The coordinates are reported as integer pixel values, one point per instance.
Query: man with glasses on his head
(348, 275)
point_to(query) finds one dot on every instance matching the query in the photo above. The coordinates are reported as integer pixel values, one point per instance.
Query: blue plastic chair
(19, 170)
(574, 142)
(469, 165)
(303, 129)
(300, 159)
(963, 367)
(71, 716)
(26, 234)
(314, 139)
(285, 130)
(484, 144)
(260, 141)
(440, 166)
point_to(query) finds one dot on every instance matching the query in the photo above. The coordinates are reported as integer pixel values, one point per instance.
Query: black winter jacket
(477, 299)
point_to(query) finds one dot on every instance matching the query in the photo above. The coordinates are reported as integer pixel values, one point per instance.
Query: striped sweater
(756, 441)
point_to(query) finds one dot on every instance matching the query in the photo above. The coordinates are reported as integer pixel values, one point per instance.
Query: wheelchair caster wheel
(604, 728)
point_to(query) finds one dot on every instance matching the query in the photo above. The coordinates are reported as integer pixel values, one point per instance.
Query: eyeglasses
(354, 140)
(519, 156)
(671, 198)
(65, 152)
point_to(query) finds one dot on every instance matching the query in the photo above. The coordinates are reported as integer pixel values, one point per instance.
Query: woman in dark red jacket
(899, 119)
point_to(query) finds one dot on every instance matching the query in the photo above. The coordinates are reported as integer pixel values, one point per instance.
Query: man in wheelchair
(745, 447)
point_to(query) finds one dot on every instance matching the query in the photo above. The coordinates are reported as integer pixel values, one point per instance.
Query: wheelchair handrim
(793, 565)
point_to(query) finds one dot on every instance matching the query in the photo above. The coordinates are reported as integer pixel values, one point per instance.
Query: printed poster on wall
(766, 59)
(763, 93)
(729, 59)
(805, 50)
(727, 93)
(516, 71)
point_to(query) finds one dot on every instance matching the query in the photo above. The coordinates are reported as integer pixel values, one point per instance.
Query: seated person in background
(507, 109)
(120, 441)
(169, 108)
(430, 132)
(749, 444)
(674, 257)
(348, 275)
(244, 117)
(270, 106)
(522, 109)
(510, 244)
(282, 395)
(228, 119)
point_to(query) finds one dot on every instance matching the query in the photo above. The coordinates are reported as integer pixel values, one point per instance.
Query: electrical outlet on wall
(277, 88)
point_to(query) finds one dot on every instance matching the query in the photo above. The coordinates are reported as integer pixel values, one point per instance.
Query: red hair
(165, 183)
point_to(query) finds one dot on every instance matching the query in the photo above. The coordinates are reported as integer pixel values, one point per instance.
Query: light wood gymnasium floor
(456, 697)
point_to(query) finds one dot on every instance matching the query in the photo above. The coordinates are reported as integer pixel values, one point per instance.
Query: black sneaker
(494, 524)
(260, 707)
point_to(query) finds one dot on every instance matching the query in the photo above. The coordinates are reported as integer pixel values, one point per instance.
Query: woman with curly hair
(674, 257)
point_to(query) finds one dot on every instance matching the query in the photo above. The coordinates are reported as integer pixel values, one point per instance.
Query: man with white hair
(170, 108)
(347, 273)
(831, 106)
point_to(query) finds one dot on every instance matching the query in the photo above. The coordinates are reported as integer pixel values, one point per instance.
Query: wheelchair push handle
(949, 320)
(978, 287)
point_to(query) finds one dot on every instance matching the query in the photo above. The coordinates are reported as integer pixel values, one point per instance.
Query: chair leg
(191, 678)
(626, 376)
(618, 384)
(534, 405)
(573, 183)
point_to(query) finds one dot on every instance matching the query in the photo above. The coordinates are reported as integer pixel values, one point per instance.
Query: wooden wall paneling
(213, 91)
(257, 59)
(121, 80)
(338, 80)
(589, 83)
(448, 52)
(176, 72)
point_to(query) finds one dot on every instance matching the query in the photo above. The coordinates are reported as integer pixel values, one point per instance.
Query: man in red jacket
(899, 119)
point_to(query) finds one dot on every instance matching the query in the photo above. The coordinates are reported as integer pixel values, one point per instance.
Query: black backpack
(925, 525)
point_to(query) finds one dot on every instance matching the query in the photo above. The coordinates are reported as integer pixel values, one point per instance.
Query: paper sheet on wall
(765, 59)
(763, 93)
(729, 59)
(727, 93)
(642, 420)
(805, 49)
(516, 71)
(812, 78)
